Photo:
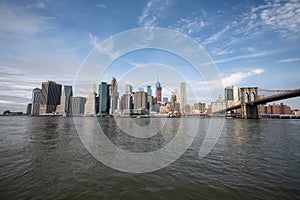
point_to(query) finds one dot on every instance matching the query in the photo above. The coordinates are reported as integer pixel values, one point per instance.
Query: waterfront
(43, 158)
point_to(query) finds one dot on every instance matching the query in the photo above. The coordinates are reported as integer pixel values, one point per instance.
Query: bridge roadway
(276, 97)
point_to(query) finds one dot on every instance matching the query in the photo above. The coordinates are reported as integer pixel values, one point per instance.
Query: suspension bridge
(250, 100)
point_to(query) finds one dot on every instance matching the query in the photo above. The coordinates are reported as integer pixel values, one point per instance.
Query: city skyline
(57, 99)
(251, 43)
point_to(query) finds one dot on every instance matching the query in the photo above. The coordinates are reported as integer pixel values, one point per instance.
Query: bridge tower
(248, 95)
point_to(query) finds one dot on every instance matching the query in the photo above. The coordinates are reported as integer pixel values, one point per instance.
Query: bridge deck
(276, 97)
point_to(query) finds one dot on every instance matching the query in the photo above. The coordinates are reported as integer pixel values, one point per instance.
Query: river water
(44, 158)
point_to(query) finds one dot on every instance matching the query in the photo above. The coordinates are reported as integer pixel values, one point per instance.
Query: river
(44, 158)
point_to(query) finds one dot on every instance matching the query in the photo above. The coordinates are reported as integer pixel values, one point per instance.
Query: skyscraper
(140, 100)
(149, 90)
(128, 89)
(114, 95)
(103, 98)
(182, 96)
(50, 98)
(28, 109)
(65, 101)
(78, 104)
(126, 102)
(90, 105)
(36, 101)
(158, 91)
(232, 96)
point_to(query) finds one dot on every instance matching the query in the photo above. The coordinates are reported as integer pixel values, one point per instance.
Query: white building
(90, 105)
(218, 105)
(232, 96)
(183, 96)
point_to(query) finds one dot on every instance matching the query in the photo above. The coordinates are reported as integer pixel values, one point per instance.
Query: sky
(251, 43)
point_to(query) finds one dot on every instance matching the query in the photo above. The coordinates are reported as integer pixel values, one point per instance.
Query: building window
(229, 94)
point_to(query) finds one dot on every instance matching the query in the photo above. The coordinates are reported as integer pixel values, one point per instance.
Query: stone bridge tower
(249, 109)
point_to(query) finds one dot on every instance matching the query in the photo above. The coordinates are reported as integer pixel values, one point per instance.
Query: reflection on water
(43, 158)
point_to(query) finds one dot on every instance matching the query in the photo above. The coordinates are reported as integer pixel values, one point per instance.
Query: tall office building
(28, 109)
(104, 98)
(36, 101)
(128, 89)
(149, 90)
(90, 105)
(65, 101)
(114, 95)
(50, 98)
(232, 96)
(140, 100)
(126, 102)
(182, 96)
(78, 104)
(150, 103)
(158, 91)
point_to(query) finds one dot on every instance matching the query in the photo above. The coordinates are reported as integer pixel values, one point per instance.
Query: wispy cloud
(191, 24)
(101, 5)
(246, 56)
(215, 37)
(94, 39)
(16, 22)
(152, 13)
(288, 60)
(281, 16)
(236, 78)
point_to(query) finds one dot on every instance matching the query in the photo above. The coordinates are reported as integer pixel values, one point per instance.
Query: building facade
(126, 103)
(114, 95)
(28, 109)
(128, 89)
(274, 109)
(36, 101)
(78, 104)
(149, 90)
(104, 99)
(158, 92)
(183, 96)
(65, 101)
(232, 96)
(140, 100)
(218, 105)
(50, 98)
(90, 105)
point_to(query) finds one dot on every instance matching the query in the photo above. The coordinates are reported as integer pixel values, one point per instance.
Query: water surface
(43, 158)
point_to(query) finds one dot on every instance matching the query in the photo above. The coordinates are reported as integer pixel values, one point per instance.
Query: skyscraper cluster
(53, 98)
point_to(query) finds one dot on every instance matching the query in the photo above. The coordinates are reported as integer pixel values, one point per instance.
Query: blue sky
(252, 43)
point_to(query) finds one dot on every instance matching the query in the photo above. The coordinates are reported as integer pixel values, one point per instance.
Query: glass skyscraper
(104, 98)
(36, 101)
(50, 98)
(65, 107)
(149, 90)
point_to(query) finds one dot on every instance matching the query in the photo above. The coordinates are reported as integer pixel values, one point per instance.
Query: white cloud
(288, 60)
(245, 56)
(153, 12)
(16, 22)
(191, 24)
(93, 39)
(215, 37)
(236, 78)
(101, 5)
(281, 16)
(39, 4)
